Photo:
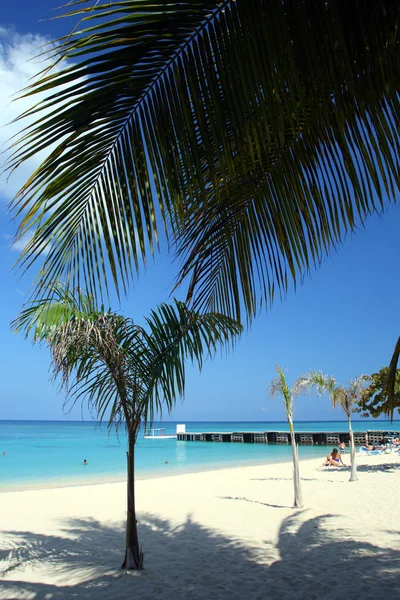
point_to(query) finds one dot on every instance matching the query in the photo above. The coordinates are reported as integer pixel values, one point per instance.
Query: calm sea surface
(48, 453)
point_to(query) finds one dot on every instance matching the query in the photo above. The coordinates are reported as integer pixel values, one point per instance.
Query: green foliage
(374, 400)
(118, 367)
(259, 132)
(279, 388)
(344, 396)
(389, 391)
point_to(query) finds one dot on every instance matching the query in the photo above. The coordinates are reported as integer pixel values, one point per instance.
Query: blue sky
(342, 320)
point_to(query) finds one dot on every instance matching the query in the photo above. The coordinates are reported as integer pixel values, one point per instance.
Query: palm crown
(343, 396)
(115, 364)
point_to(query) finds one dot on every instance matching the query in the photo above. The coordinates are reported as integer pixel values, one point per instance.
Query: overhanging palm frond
(388, 392)
(266, 130)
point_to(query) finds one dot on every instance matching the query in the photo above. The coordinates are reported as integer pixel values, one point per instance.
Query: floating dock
(303, 438)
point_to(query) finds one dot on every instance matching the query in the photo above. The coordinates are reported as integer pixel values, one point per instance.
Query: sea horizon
(364, 420)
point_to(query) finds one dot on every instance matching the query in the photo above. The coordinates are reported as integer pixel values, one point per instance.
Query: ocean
(41, 454)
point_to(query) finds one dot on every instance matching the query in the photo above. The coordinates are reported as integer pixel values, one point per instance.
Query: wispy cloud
(19, 245)
(19, 64)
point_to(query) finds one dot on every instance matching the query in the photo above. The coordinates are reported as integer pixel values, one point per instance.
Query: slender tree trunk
(353, 472)
(298, 496)
(133, 555)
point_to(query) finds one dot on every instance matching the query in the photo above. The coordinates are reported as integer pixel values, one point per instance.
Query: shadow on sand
(310, 559)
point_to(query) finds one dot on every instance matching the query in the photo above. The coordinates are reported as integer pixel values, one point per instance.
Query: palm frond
(57, 308)
(316, 380)
(345, 397)
(260, 131)
(388, 393)
(176, 334)
(122, 370)
(278, 388)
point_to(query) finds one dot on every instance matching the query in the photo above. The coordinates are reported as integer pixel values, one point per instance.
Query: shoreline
(149, 476)
(155, 474)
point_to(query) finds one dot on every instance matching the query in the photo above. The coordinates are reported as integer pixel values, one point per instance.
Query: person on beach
(333, 459)
(370, 446)
(342, 448)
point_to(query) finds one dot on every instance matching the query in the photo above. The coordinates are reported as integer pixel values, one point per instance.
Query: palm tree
(259, 132)
(345, 397)
(279, 388)
(125, 372)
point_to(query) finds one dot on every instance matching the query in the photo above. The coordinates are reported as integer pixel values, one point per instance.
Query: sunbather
(369, 446)
(333, 459)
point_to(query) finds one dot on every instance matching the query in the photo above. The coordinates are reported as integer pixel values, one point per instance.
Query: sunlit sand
(222, 534)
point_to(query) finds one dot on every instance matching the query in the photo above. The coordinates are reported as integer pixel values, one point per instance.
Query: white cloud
(19, 63)
(19, 245)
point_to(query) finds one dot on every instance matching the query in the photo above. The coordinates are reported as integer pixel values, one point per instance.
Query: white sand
(220, 534)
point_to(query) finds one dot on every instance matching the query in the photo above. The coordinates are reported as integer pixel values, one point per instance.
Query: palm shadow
(379, 468)
(243, 499)
(310, 559)
(281, 478)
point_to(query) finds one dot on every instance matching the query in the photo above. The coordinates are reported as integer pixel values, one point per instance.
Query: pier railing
(314, 438)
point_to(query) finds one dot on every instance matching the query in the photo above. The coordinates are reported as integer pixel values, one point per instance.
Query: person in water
(333, 459)
(342, 448)
(84, 461)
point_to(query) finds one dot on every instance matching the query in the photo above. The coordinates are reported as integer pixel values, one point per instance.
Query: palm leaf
(388, 393)
(175, 334)
(260, 132)
(120, 369)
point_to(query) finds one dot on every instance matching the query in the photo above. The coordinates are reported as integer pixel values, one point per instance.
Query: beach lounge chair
(363, 450)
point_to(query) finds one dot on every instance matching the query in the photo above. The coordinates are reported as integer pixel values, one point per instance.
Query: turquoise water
(49, 454)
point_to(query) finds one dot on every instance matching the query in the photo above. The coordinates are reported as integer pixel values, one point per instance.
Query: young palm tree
(279, 388)
(127, 373)
(345, 397)
(259, 131)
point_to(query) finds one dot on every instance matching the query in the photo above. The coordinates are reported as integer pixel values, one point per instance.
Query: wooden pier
(304, 438)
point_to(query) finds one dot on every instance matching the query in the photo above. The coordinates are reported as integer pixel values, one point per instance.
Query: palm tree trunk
(298, 496)
(353, 473)
(133, 555)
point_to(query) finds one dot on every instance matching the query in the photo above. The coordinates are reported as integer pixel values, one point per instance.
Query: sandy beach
(218, 534)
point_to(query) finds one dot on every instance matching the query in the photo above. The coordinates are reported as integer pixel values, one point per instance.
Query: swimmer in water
(84, 461)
